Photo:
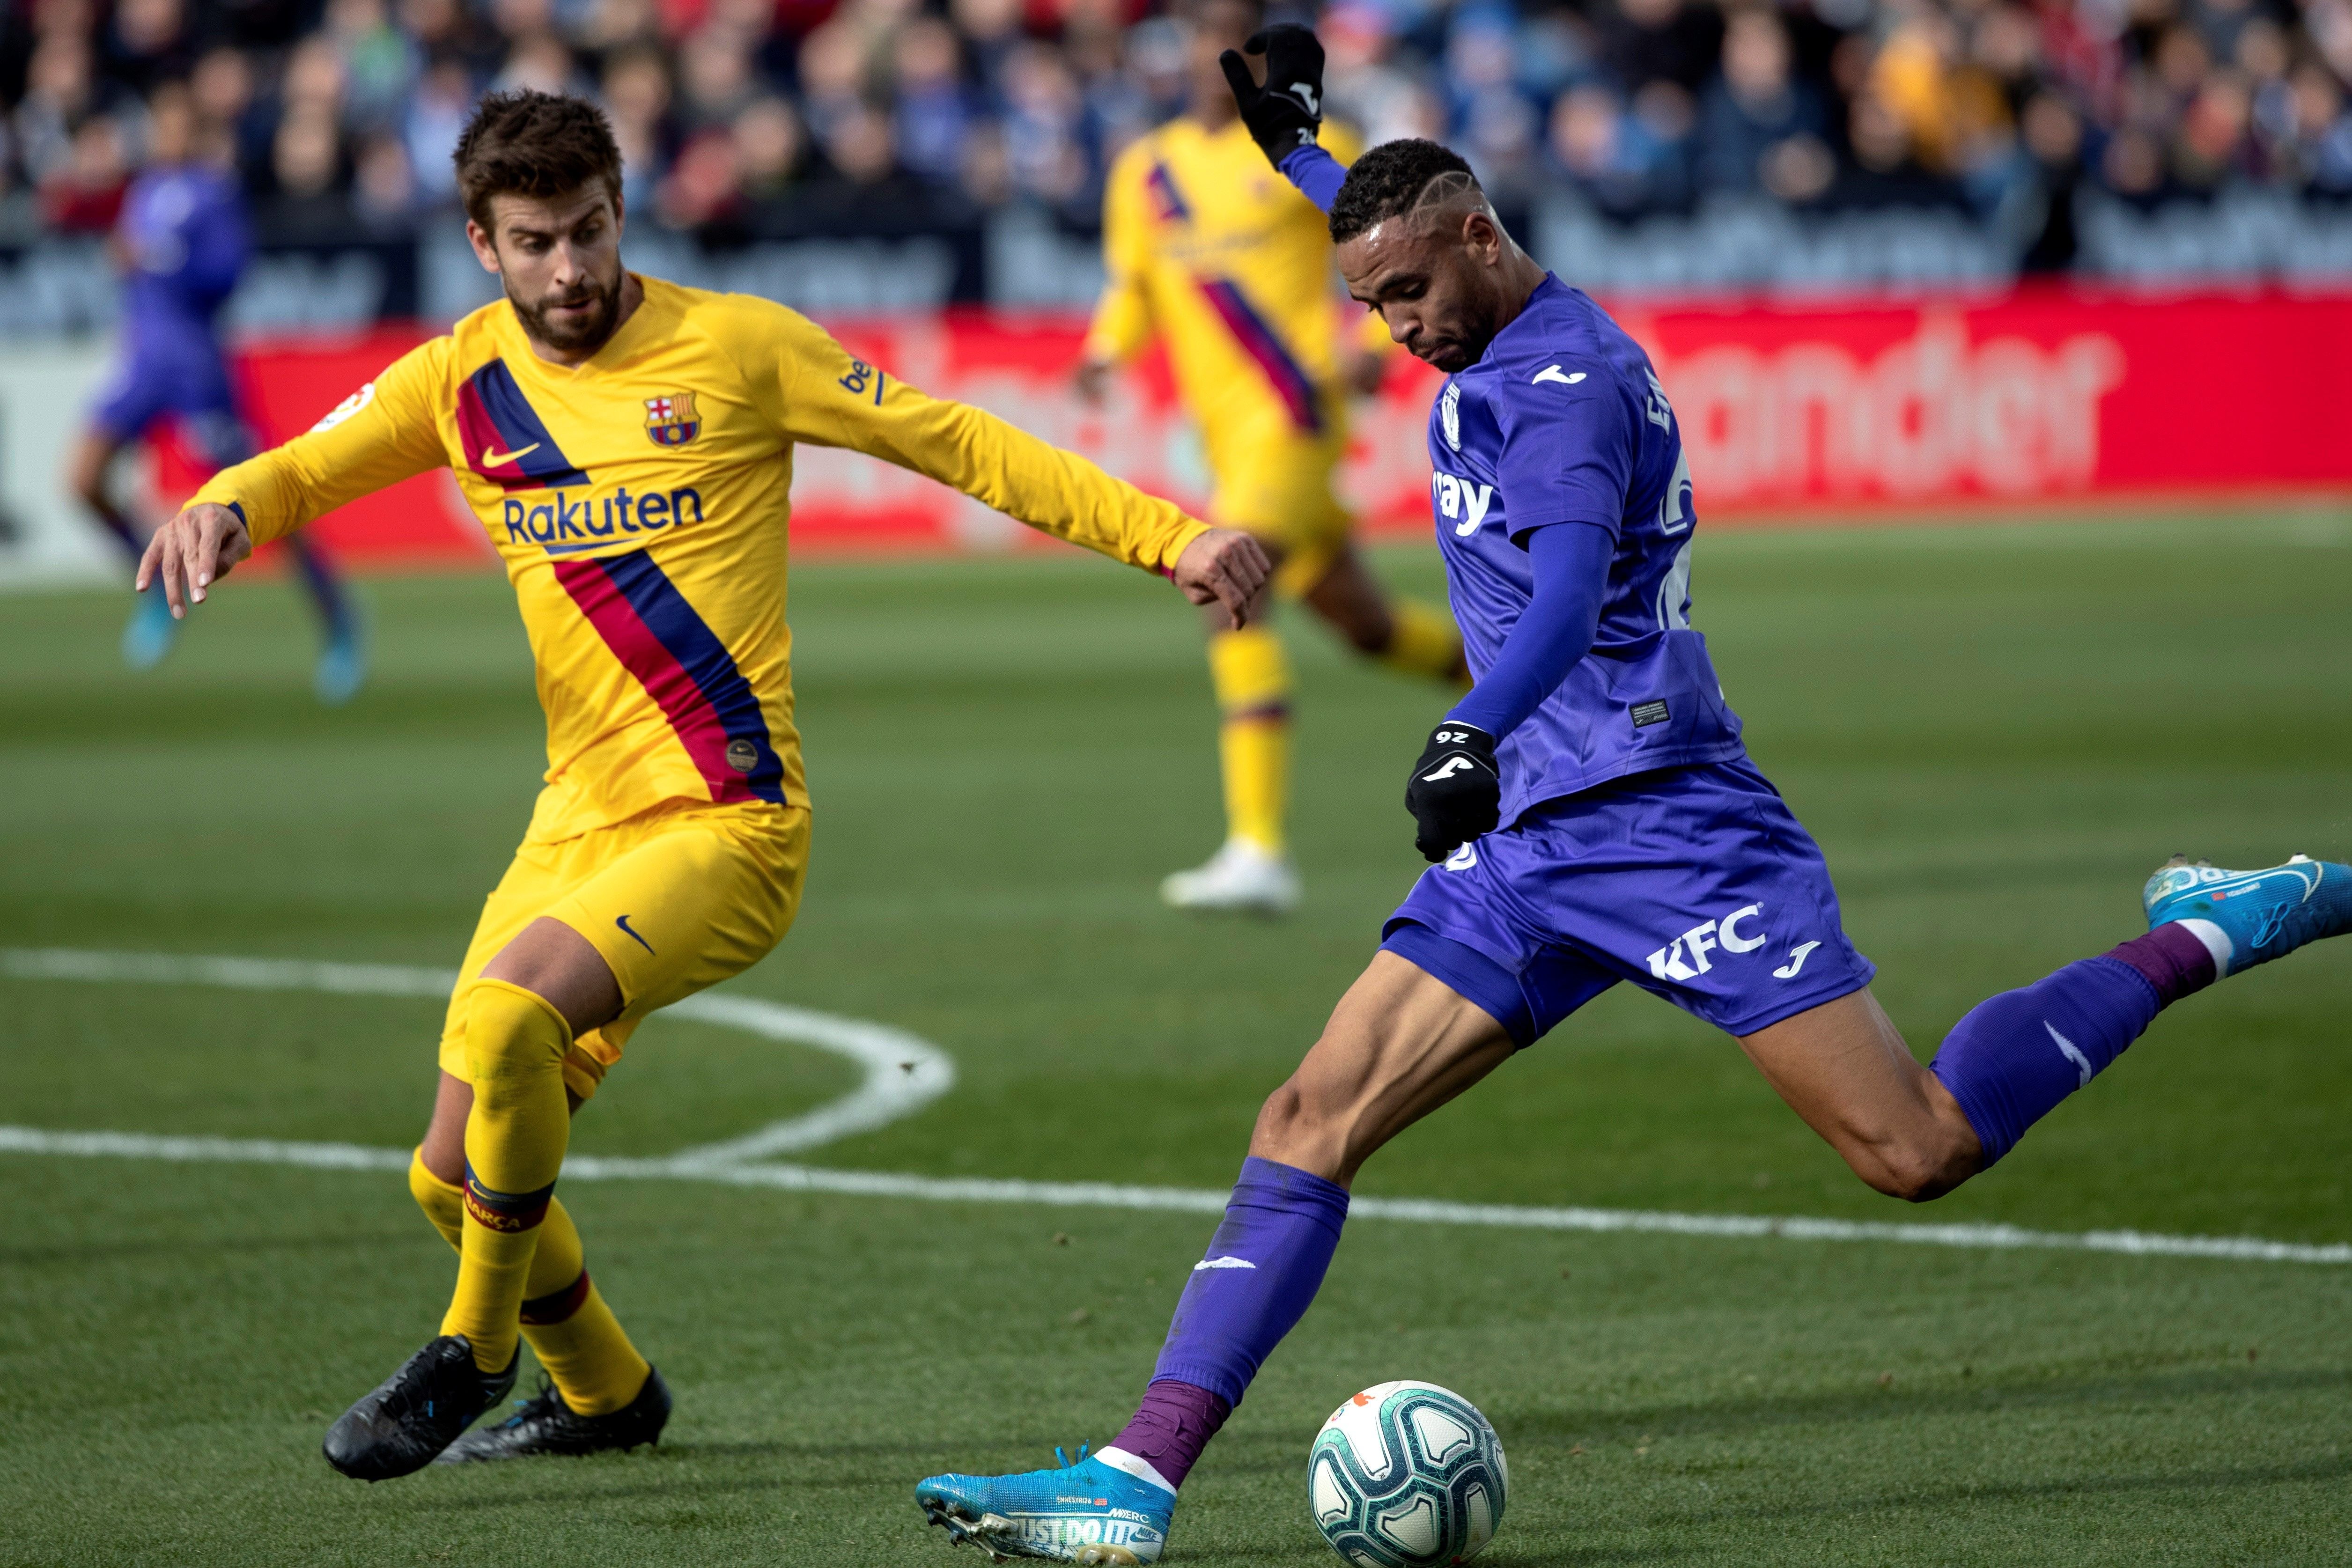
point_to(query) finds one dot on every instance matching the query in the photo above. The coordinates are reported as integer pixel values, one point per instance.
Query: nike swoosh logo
(2073, 1053)
(1226, 1262)
(1554, 373)
(500, 459)
(623, 921)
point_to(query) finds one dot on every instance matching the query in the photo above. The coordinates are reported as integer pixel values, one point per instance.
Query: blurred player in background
(182, 243)
(627, 445)
(1210, 251)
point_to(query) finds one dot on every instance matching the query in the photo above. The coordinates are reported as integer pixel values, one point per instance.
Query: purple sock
(2016, 1055)
(1174, 1424)
(1264, 1266)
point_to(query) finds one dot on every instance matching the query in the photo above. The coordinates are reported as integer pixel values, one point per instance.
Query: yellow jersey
(639, 504)
(1208, 247)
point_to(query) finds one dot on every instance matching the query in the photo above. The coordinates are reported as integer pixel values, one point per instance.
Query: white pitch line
(1198, 1200)
(902, 1075)
(902, 1072)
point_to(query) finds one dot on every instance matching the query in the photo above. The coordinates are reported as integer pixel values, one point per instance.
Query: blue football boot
(2249, 917)
(149, 635)
(1085, 1512)
(342, 666)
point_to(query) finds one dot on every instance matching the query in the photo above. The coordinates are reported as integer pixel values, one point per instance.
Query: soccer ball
(1407, 1475)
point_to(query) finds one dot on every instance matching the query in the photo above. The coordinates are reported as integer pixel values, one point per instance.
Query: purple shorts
(151, 383)
(1697, 884)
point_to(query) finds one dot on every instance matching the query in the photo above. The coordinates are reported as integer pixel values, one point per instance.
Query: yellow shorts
(1276, 483)
(676, 899)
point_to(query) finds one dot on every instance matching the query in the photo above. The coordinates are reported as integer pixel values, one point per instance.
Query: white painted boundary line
(1195, 1200)
(903, 1074)
(886, 1053)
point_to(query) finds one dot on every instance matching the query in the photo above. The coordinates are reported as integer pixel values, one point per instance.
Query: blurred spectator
(771, 150)
(148, 43)
(435, 115)
(309, 179)
(83, 195)
(1760, 128)
(934, 109)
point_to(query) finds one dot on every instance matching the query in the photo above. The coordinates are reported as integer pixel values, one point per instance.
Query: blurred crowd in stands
(809, 116)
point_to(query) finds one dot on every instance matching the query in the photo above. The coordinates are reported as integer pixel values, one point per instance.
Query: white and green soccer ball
(1407, 1475)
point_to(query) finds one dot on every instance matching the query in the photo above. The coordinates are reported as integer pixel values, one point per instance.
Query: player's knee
(511, 1033)
(1294, 1129)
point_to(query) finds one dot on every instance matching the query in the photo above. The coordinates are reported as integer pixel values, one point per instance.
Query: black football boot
(416, 1412)
(546, 1425)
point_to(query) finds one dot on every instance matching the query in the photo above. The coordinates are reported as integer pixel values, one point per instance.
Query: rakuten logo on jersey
(1458, 498)
(563, 526)
(1685, 958)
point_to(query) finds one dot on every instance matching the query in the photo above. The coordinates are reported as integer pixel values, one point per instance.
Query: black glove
(1455, 791)
(1284, 114)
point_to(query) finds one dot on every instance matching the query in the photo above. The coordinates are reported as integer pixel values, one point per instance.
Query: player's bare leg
(1399, 1044)
(522, 1013)
(1409, 636)
(1843, 1067)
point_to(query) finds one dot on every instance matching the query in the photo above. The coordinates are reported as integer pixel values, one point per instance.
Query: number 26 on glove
(1455, 791)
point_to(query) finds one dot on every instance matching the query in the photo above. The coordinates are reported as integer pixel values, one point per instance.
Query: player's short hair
(538, 145)
(1398, 177)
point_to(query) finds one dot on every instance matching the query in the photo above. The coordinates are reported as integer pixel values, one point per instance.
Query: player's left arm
(1566, 463)
(825, 396)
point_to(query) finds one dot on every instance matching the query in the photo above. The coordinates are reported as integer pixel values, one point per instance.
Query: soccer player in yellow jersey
(627, 445)
(1211, 252)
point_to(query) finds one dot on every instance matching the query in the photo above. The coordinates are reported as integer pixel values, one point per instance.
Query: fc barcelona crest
(670, 421)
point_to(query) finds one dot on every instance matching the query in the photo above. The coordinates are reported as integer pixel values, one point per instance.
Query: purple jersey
(184, 228)
(185, 231)
(1563, 420)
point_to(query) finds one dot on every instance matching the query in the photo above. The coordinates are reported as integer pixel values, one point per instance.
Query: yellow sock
(514, 1150)
(574, 1334)
(1251, 671)
(1424, 642)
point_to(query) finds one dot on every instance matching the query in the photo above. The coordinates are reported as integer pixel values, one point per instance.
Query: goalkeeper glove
(1284, 115)
(1455, 792)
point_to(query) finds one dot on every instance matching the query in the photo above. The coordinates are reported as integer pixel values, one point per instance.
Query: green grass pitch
(1994, 731)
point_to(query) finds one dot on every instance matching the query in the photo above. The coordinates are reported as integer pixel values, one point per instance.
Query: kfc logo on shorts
(1685, 958)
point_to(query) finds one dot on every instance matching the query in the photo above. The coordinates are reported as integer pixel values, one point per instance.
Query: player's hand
(1093, 380)
(190, 551)
(1223, 566)
(1284, 115)
(1455, 792)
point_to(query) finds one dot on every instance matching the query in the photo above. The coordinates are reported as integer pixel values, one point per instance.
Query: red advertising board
(1862, 411)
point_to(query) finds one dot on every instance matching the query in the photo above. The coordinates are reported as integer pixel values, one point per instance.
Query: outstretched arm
(824, 397)
(380, 434)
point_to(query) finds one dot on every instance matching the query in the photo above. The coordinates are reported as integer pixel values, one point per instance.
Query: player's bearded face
(1436, 289)
(560, 263)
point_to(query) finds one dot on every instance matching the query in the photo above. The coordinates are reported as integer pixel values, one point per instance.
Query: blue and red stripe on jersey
(1166, 197)
(660, 639)
(495, 420)
(1289, 378)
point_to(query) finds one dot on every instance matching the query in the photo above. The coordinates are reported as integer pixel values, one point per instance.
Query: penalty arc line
(904, 1073)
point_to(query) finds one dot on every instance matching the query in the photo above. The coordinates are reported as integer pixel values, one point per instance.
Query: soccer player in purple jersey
(182, 243)
(1594, 819)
